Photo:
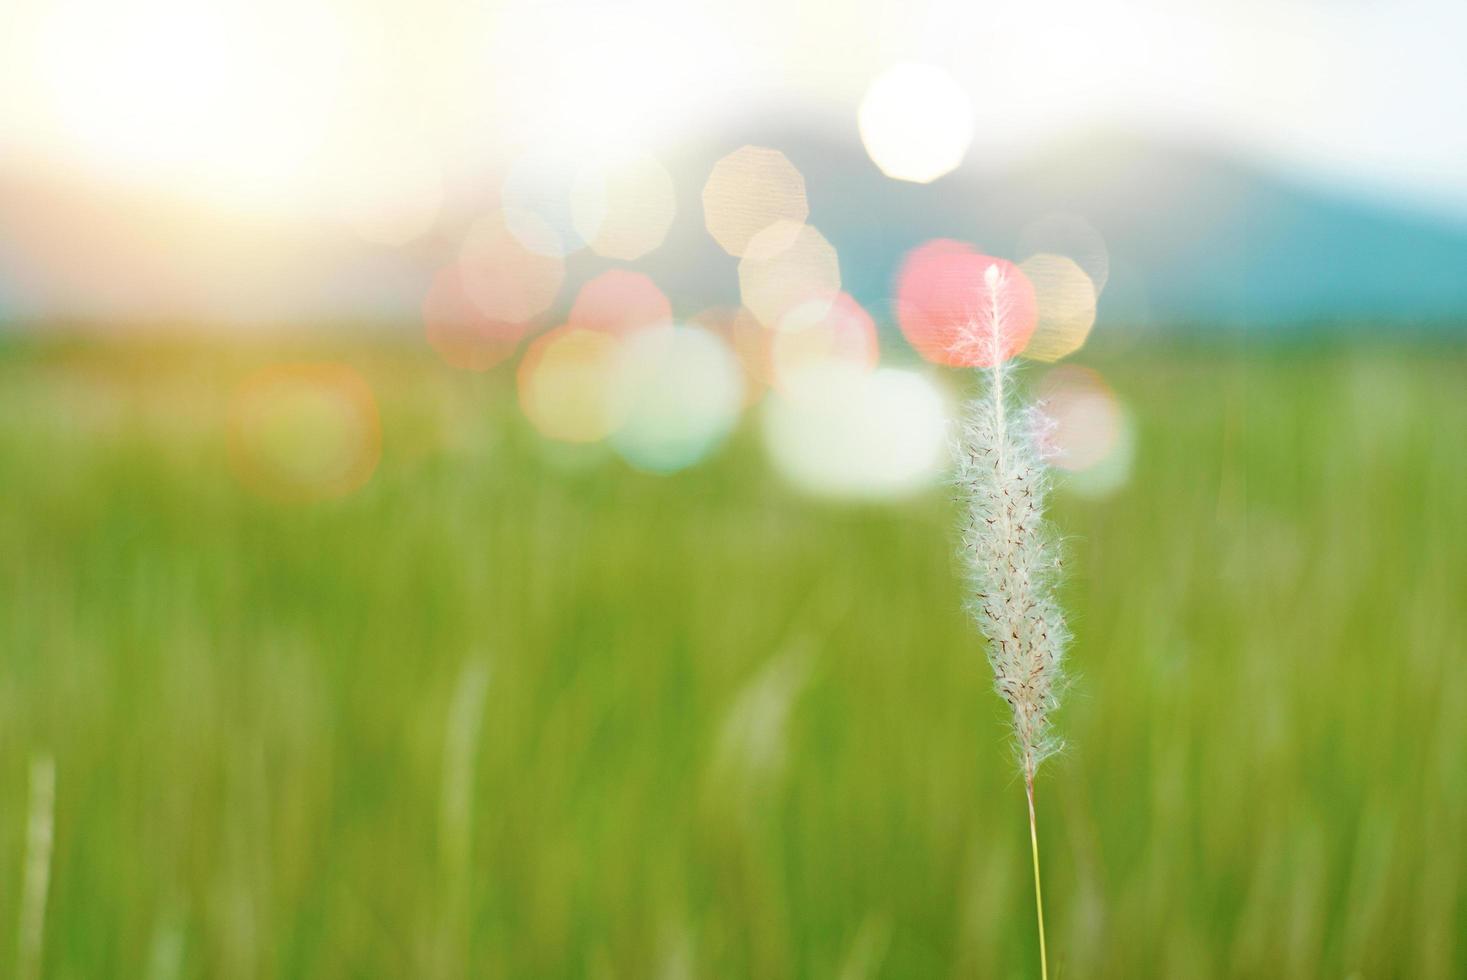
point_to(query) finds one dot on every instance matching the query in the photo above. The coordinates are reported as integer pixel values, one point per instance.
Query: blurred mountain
(1194, 235)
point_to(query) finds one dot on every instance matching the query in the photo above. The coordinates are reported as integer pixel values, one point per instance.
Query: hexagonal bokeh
(748, 191)
(773, 281)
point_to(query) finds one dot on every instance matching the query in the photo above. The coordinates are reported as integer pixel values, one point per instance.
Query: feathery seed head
(953, 304)
(1009, 555)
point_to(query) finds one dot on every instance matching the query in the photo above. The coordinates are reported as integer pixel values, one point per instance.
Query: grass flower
(1010, 556)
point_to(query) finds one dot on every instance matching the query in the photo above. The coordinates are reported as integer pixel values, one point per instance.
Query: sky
(287, 113)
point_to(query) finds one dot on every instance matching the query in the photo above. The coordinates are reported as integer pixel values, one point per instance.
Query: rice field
(509, 711)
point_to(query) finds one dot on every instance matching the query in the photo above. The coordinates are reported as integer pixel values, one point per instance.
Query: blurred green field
(509, 713)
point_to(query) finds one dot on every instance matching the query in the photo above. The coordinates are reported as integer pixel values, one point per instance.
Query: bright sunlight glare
(228, 98)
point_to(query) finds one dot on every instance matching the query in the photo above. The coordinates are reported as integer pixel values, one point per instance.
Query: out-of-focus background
(474, 504)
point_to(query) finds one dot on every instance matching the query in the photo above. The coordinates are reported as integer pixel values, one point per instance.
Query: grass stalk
(1038, 892)
(40, 833)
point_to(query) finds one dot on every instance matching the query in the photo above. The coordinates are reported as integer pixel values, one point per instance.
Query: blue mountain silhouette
(1194, 235)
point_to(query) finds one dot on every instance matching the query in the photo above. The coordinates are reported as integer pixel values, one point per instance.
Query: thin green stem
(1038, 894)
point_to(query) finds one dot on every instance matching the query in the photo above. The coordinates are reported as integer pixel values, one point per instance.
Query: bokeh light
(819, 333)
(847, 433)
(301, 432)
(623, 206)
(563, 383)
(751, 343)
(773, 280)
(397, 198)
(459, 331)
(676, 393)
(1065, 299)
(536, 199)
(1067, 234)
(1091, 436)
(620, 301)
(947, 297)
(916, 122)
(506, 281)
(748, 191)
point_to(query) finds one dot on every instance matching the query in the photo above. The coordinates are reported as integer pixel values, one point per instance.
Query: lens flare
(847, 433)
(1070, 235)
(816, 334)
(563, 384)
(1065, 301)
(506, 281)
(459, 331)
(916, 123)
(227, 101)
(623, 207)
(536, 199)
(303, 432)
(774, 280)
(947, 300)
(1091, 435)
(748, 191)
(676, 393)
(620, 302)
